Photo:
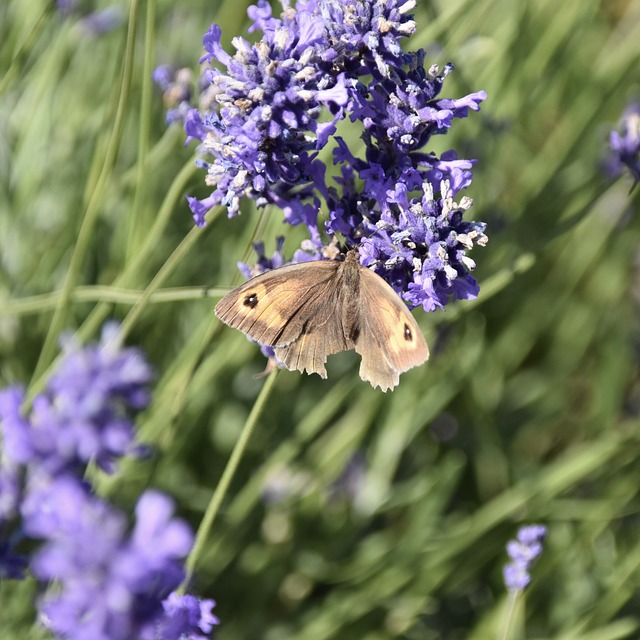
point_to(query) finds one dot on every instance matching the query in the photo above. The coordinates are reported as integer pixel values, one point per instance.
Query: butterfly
(310, 310)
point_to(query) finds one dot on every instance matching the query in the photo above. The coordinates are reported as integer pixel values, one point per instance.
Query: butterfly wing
(390, 340)
(292, 309)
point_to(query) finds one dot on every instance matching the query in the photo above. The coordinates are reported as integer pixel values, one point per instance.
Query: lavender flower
(270, 100)
(625, 143)
(180, 91)
(523, 552)
(280, 100)
(94, 23)
(351, 481)
(84, 412)
(98, 22)
(276, 91)
(176, 86)
(420, 249)
(264, 264)
(186, 618)
(111, 583)
(67, 7)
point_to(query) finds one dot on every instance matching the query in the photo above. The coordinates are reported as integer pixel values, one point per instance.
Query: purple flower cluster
(84, 414)
(279, 103)
(625, 143)
(523, 552)
(180, 90)
(112, 583)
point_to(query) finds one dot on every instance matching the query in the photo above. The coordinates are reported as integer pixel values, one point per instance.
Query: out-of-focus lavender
(84, 414)
(92, 23)
(624, 144)
(278, 103)
(186, 618)
(110, 581)
(523, 552)
(350, 483)
(180, 91)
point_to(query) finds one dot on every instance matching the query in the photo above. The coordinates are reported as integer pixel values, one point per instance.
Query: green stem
(223, 486)
(131, 272)
(139, 214)
(104, 293)
(23, 50)
(163, 273)
(508, 618)
(93, 208)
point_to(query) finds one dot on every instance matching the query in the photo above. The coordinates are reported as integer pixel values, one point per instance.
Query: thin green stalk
(164, 272)
(220, 492)
(116, 295)
(97, 316)
(88, 223)
(13, 71)
(138, 216)
(508, 617)
(133, 270)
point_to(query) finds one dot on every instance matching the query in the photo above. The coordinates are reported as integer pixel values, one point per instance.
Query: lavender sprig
(85, 412)
(279, 103)
(111, 583)
(624, 144)
(94, 23)
(523, 552)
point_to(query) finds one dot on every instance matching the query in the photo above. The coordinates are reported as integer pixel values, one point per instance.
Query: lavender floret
(625, 143)
(523, 552)
(186, 618)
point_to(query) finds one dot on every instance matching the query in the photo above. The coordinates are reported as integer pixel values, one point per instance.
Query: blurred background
(354, 514)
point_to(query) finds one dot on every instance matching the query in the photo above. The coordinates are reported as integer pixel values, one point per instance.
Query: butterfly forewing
(265, 306)
(290, 309)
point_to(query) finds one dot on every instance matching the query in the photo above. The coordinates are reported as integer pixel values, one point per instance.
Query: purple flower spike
(99, 22)
(17, 447)
(625, 143)
(523, 552)
(186, 618)
(84, 412)
(280, 101)
(110, 585)
(270, 98)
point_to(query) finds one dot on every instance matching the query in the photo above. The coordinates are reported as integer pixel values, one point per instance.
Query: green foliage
(526, 412)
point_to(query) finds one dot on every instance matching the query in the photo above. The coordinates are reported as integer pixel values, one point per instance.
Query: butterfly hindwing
(390, 340)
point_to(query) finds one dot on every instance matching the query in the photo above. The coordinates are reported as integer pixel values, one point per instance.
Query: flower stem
(221, 490)
(508, 616)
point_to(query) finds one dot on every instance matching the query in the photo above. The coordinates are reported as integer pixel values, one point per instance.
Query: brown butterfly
(309, 310)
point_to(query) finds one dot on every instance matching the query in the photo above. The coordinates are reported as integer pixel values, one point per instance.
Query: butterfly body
(310, 310)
